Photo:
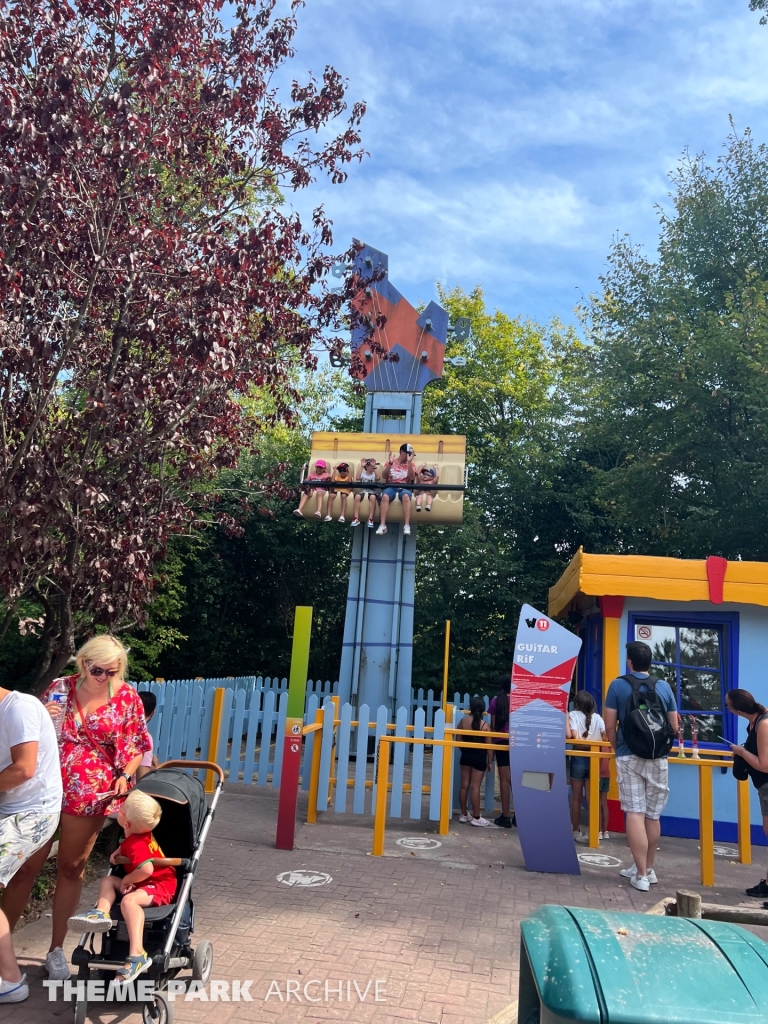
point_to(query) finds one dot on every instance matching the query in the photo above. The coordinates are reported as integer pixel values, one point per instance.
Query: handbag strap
(95, 743)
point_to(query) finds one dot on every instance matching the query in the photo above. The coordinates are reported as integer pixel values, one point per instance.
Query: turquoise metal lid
(614, 968)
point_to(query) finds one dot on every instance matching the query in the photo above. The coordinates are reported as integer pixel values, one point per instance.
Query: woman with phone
(103, 739)
(750, 760)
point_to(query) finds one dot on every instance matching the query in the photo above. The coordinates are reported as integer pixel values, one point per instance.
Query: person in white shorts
(30, 802)
(643, 785)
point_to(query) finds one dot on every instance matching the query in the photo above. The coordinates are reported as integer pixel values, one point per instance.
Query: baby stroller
(181, 833)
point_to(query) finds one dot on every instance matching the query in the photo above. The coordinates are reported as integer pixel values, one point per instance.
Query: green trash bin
(603, 967)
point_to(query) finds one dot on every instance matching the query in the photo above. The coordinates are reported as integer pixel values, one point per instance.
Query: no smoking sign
(644, 632)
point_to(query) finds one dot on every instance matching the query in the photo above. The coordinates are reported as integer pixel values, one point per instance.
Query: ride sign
(545, 657)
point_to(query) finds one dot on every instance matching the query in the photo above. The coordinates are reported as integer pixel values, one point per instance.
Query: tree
(149, 276)
(676, 434)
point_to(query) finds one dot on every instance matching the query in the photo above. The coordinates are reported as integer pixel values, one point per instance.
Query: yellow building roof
(666, 579)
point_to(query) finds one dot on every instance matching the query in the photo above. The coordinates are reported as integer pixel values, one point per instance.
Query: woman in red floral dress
(103, 739)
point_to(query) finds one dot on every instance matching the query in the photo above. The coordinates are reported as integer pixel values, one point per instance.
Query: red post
(289, 779)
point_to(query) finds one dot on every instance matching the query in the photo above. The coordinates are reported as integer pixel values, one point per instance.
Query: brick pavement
(439, 929)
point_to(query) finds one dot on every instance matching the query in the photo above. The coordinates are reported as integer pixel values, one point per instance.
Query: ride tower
(401, 351)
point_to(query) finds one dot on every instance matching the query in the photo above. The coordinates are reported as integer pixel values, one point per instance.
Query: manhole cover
(725, 851)
(599, 860)
(305, 879)
(419, 844)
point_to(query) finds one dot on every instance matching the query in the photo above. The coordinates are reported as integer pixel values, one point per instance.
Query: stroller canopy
(182, 799)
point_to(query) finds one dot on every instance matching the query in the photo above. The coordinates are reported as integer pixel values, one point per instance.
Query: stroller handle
(210, 765)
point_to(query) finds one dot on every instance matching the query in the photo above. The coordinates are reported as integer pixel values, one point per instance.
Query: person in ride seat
(398, 473)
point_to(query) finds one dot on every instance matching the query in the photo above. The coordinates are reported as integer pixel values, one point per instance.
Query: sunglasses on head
(98, 672)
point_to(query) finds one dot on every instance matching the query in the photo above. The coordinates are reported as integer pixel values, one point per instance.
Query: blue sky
(510, 141)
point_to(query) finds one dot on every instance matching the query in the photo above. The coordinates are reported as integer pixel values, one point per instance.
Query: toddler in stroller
(143, 885)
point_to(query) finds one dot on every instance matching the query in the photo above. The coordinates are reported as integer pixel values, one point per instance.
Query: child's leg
(466, 775)
(330, 499)
(417, 496)
(430, 496)
(577, 791)
(133, 914)
(604, 811)
(108, 890)
(371, 508)
(356, 504)
(343, 512)
(474, 791)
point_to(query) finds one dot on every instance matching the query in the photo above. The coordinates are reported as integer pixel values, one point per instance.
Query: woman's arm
(121, 784)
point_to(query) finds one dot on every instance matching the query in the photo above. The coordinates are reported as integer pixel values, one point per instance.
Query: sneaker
(761, 889)
(427, 508)
(370, 524)
(355, 522)
(502, 822)
(579, 837)
(133, 967)
(56, 965)
(464, 818)
(319, 515)
(632, 871)
(14, 991)
(328, 519)
(381, 530)
(298, 514)
(406, 531)
(342, 519)
(90, 921)
(418, 508)
(605, 835)
(640, 882)
(480, 822)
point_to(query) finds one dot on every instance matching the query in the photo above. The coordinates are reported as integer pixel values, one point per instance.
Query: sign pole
(297, 684)
(445, 663)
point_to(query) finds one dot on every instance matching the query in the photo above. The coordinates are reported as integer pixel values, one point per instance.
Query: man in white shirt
(30, 803)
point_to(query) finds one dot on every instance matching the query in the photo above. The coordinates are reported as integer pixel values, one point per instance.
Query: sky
(510, 142)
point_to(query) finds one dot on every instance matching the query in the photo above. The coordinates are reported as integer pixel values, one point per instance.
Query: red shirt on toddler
(140, 847)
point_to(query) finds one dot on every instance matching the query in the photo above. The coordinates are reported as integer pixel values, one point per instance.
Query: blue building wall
(749, 670)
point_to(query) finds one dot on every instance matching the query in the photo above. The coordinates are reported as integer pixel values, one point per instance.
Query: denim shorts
(396, 492)
(579, 768)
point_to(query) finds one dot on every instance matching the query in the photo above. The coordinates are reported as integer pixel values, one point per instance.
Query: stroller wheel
(158, 1012)
(202, 964)
(81, 1011)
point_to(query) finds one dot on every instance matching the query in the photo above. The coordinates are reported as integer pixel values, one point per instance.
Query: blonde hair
(102, 649)
(142, 811)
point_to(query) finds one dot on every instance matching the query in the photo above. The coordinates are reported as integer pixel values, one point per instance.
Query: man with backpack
(641, 722)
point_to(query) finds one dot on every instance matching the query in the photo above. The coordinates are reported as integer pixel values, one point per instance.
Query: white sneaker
(480, 822)
(464, 818)
(406, 531)
(14, 991)
(355, 522)
(380, 531)
(342, 519)
(56, 965)
(631, 872)
(579, 837)
(605, 835)
(640, 882)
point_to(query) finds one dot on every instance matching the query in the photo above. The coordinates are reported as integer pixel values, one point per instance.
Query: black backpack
(646, 729)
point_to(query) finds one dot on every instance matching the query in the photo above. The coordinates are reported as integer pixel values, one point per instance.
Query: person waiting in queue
(399, 474)
(498, 710)
(475, 762)
(366, 474)
(750, 759)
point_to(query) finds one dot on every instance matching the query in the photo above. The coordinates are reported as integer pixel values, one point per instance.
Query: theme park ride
(399, 351)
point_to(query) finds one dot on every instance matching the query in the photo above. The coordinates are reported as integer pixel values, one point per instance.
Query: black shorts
(474, 758)
(502, 758)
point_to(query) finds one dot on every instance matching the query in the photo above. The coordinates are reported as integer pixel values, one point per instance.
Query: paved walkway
(437, 928)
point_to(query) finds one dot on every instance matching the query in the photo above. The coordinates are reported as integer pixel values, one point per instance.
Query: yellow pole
(332, 781)
(213, 742)
(314, 772)
(594, 800)
(380, 812)
(706, 826)
(745, 832)
(446, 797)
(445, 664)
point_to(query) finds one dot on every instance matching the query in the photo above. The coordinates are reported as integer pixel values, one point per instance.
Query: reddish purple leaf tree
(150, 274)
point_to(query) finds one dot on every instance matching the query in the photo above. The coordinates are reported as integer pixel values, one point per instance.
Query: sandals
(133, 967)
(91, 921)
(298, 514)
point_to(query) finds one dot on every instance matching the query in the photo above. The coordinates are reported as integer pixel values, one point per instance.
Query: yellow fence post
(445, 665)
(314, 773)
(332, 773)
(744, 825)
(446, 796)
(594, 801)
(213, 742)
(380, 812)
(706, 826)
